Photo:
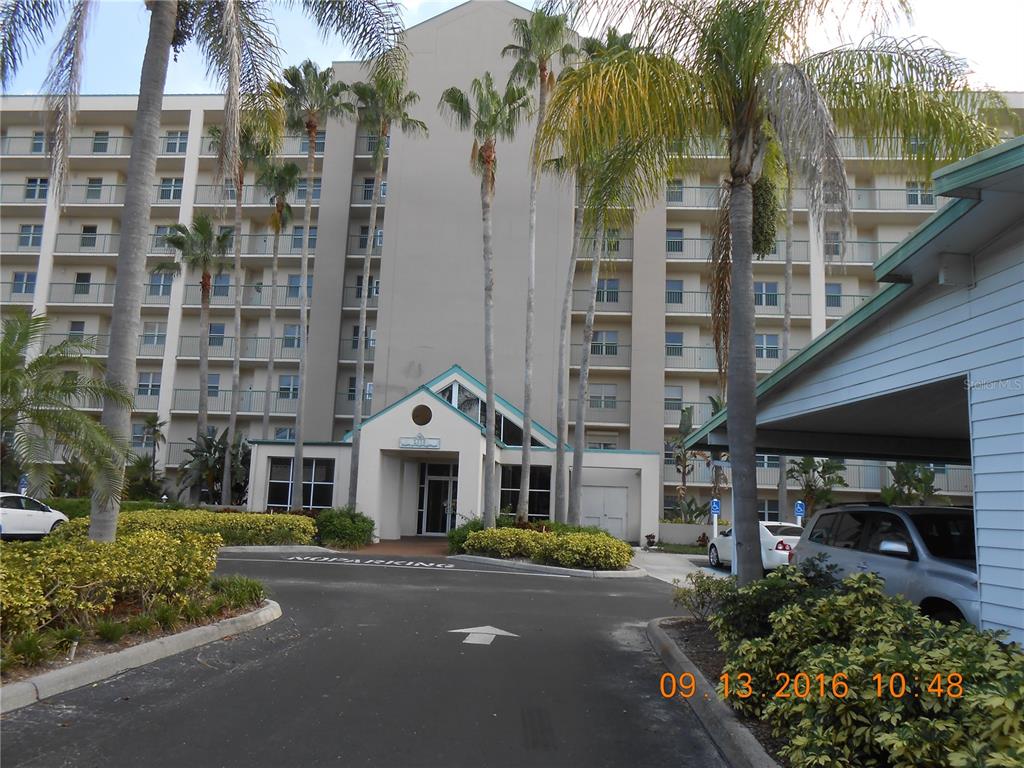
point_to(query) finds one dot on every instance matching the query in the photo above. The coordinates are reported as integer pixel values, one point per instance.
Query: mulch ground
(700, 645)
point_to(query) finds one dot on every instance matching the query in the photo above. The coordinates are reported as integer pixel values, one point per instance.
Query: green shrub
(29, 649)
(504, 542)
(238, 591)
(345, 528)
(63, 637)
(235, 528)
(703, 594)
(596, 551)
(457, 536)
(167, 615)
(141, 624)
(75, 508)
(110, 631)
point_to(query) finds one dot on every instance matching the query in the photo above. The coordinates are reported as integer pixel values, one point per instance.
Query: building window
(88, 236)
(294, 281)
(288, 386)
(766, 294)
(540, 490)
(605, 343)
(318, 145)
(24, 283)
(149, 383)
(36, 187)
(833, 295)
(674, 240)
(766, 346)
(291, 338)
(607, 291)
(230, 232)
(284, 433)
(154, 334)
(604, 396)
(768, 510)
(833, 244)
(216, 334)
(938, 469)
(83, 283)
(674, 343)
(368, 395)
(919, 193)
(160, 283)
(374, 287)
(766, 461)
(297, 236)
(100, 142)
(364, 237)
(598, 441)
(38, 142)
(300, 188)
(76, 330)
(212, 384)
(673, 398)
(175, 143)
(160, 233)
(221, 285)
(170, 188)
(674, 191)
(673, 291)
(317, 483)
(30, 236)
(141, 438)
(370, 339)
(94, 188)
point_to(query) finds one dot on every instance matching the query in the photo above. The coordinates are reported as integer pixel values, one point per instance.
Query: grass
(682, 549)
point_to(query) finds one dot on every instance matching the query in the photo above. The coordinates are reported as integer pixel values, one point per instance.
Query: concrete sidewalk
(668, 567)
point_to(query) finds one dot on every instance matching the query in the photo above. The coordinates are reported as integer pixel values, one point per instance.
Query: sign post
(799, 509)
(716, 510)
(23, 485)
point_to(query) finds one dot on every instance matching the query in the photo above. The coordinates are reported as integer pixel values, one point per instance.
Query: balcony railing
(263, 245)
(366, 144)
(616, 249)
(17, 293)
(256, 295)
(673, 411)
(215, 194)
(691, 197)
(345, 404)
(16, 242)
(291, 145)
(602, 410)
(864, 251)
(17, 194)
(150, 345)
(348, 349)
(252, 347)
(94, 194)
(249, 402)
(840, 305)
(357, 245)
(362, 193)
(607, 300)
(602, 355)
(678, 357)
(352, 296)
(894, 200)
(176, 455)
(82, 293)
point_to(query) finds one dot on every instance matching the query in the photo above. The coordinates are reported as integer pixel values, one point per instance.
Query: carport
(931, 369)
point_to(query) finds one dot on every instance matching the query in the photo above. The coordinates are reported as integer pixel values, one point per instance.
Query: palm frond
(719, 293)
(23, 25)
(373, 28)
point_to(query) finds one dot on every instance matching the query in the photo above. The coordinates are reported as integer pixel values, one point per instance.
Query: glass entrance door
(440, 494)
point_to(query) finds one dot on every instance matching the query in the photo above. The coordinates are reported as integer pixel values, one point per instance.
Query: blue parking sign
(799, 509)
(716, 507)
(23, 485)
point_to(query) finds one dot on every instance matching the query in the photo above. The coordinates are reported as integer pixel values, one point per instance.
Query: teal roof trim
(932, 227)
(991, 162)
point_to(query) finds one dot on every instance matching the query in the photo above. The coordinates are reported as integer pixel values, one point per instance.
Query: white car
(777, 541)
(22, 517)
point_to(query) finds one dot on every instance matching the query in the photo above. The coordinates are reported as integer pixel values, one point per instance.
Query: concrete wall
(681, 533)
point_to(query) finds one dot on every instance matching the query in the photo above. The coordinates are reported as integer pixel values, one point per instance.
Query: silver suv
(926, 554)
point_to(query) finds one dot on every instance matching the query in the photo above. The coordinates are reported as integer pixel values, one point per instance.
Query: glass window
(766, 294)
(36, 188)
(673, 291)
(540, 490)
(288, 386)
(160, 233)
(100, 142)
(149, 383)
(611, 241)
(88, 236)
(300, 188)
(673, 398)
(608, 290)
(674, 343)
(221, 285)
(374, 286)
(94, 188)
(849, 529)
(674, 240)
(30, 236)
(213, 384)
(919, 193)
(38, 142)
(160, 283)
(154, 333)
(317, 483)
(76, 330)
(284, 433)
(768, 511)
(605, 343)
(766, 461)
(833, 295)
(886, 527)
(83, 282)
(318, 145)
(833, 244)
(947, 534)
(291, 338)
(230, 232)
(176, 143)
(601, 442)
(822, 531)
(23, 282)
(297, 237)
(294, 281)
(766, 346)
(141, 437)
(674, 191)
(604, 395)
(170, 188)
(216, 334)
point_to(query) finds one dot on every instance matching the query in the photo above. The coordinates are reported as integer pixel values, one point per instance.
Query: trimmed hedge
(73, 582)
(75, 508)
(457, 536)
(235, 528)
(345, 528)
(595, 551)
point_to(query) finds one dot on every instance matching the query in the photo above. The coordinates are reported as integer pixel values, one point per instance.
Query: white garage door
(605, 507)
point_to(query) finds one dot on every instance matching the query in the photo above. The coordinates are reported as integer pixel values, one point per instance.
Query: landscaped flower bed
(573, 549)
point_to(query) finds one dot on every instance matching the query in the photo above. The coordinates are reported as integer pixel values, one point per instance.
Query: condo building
(651, 355)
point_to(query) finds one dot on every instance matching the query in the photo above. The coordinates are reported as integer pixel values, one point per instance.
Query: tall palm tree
(381, 101)
(489, 116)
(39, 407)
(280, 179)
(739, 68)
(538, 40)
(201, 249)
(311, 97)
(154, 430)
(238, 44)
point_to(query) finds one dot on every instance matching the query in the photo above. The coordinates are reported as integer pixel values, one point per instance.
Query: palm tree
(202, 250)
(154, 430)
(281, 179)
(738, 68)
(238, 45)
(311, 97)
(538, 39)
(39, 407)
(489, 116)
(381, 101)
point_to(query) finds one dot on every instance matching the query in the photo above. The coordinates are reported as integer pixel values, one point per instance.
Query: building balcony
(702, 359)
(366, 144)
(176, 455)
(148, 345)
(255, 295)
(250, 402)
(768, 305)
(251, 347)
(357, 245)
(348, 349)
(263, 245)
(225, 194)
(602, 355)
(345, 404)
(82, 293)
(701, 412)
(23, 194)
(616, 248)
(94, 194)
(17, 293)
(16, 242)
(352, 297)
(860, 199)
(602, 410)
(362, 194)
(293, 146)
(840, 305)
(607, 300)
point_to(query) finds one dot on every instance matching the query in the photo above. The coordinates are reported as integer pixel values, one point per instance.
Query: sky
(988, 37)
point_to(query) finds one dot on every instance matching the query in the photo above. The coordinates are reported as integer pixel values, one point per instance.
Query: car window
(786, 530)
(885, 527)
(820, 534)
(10, 502)
(33, 505)
(849, 529)
(947, 535)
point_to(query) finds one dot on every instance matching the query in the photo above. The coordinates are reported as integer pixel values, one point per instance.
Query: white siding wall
(940, 333)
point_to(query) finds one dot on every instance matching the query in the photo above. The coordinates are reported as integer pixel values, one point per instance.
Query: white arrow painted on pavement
(482, 635)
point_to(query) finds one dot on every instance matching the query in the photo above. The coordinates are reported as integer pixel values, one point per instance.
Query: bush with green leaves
(235, 528)
(505, 542)
(701, 594)
(593, 551)
(457, 536)
(239, 591)
(81, 507)
(344, 528)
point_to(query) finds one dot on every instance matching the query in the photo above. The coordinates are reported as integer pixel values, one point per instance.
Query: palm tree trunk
(126, 321)
(204, 366)
(296, 505)
(561, 408)
(579, 442)
(362, 334)
(740, 386)
(523, 508)
(236, 364)
(787, 322)
(273, 321)
(490, 495)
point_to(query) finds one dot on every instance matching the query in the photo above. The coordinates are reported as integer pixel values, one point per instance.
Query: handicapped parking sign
(716, 507)
(799, 509)
(23, 485)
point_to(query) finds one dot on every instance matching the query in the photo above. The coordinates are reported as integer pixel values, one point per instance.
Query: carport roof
(989, 186)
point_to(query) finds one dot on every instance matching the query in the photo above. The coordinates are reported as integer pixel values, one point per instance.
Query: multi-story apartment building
(652, 352)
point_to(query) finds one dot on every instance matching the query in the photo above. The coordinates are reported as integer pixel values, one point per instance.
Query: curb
(738, 746)
(278, 549)
(522, 565)
(25, 692)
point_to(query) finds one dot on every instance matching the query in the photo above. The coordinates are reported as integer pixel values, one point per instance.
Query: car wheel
(945, 615)
(56, 525)
(713, 559)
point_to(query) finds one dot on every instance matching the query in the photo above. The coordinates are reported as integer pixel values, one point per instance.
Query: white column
(816, 248)
(44, 266)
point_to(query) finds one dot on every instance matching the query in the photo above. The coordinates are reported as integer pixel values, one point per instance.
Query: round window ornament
(421, 415)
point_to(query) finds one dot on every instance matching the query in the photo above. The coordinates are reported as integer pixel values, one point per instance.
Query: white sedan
(777, 541)
(22, 517)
